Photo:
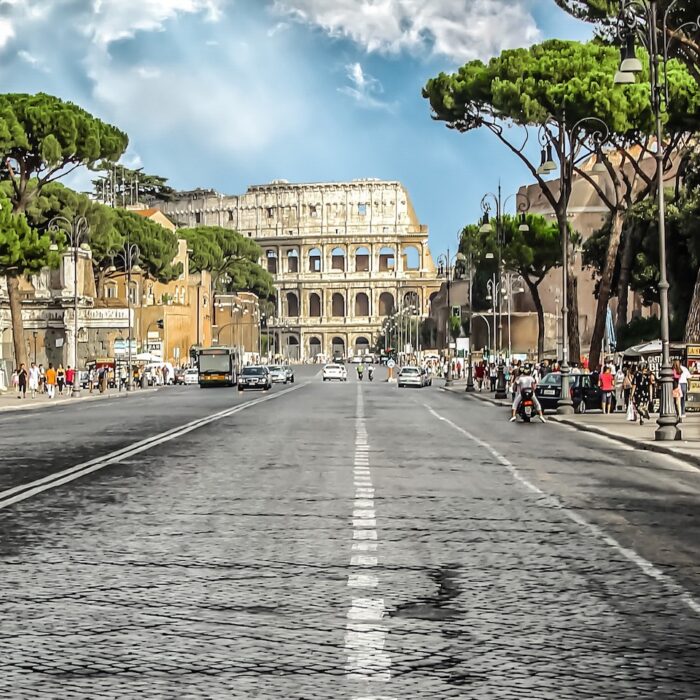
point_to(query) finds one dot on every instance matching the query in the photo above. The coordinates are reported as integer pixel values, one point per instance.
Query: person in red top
(70, 376)
(607, 387)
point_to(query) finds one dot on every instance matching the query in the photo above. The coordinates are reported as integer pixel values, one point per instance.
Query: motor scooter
(526, 409)
(370, 373)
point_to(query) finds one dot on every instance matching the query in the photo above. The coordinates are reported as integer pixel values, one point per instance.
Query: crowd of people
(35, 380)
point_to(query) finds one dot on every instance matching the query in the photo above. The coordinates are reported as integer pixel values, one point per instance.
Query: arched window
(314, 305)
(386, 304)
(314, 260)
(411, 300)
(293, 261)
(338, 346)
(361, 304)
(338, 260)
(338, 305)
(362, 259)
(292, 304)
(411, 258)
(111, 290)
(292, 347)
(271, 261)
(387, 260)
(361, 346)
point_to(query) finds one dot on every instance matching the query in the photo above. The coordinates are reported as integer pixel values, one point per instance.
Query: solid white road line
(25, 491)
(553, 502)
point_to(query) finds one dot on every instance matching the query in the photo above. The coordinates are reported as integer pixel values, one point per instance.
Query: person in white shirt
(34, 376)
(526, 381)
(683, 384)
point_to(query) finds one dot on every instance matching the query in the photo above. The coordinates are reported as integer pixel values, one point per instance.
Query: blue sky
(229, 93)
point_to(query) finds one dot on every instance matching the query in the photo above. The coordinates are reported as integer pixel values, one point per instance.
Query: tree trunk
(574, 335)
(623, 283)
(17, 323)
(692, 325)
(604, 289)
(535, 294)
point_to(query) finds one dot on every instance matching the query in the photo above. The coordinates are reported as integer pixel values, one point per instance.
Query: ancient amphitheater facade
(344, 256)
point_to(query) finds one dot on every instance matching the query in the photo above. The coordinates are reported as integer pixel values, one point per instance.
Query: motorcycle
(526, 409)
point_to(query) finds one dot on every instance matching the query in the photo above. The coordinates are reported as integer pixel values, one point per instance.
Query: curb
(632, 442)
(61, 402)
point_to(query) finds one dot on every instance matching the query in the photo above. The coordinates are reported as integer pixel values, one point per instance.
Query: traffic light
(456, 312)
(159, 323)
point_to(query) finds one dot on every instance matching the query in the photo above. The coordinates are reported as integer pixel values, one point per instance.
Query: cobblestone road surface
(218, 564)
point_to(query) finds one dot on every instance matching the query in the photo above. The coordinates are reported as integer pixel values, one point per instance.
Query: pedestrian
(683, 383)
(42, 379)
(493, 374)
(102, 379)
(677, 373)
(34, 379)
(607, 386)
(641, 392)
(50, 381)
(70, 377)
(22, 378)
(91, 378)
(627, 382)
(60, 379)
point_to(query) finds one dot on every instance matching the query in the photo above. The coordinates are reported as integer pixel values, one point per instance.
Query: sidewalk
(9, 401)
(615, 427)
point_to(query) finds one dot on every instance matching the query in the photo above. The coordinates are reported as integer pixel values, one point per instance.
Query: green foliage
(637, 331)
(152, 188)
(231, 258)
(455, 326)
(157, 246)
(526, 85)
(23, 250)
(45, 137)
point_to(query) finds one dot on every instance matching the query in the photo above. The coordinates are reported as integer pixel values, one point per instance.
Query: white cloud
(7, 31)
(363, 88)
(112, 20)
(148, 72)
(459, 29)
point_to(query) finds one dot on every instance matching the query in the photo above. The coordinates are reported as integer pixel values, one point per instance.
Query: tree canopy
(120, 181)
(231, 258)
(157, 246)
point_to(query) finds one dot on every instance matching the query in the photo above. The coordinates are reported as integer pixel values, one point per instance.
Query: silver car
(411, 376)
(278, 374)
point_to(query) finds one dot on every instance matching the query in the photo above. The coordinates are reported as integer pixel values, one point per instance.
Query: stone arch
(292, 304)
(387, 259)
(315, 347)
(386, 304)
(338, 346)
(338, 305)
(271, 256)
(432, 298)
(315, 264)
(315, 305)
(411, 258)
(362, 259)
(292, 349)
(411, 298)
(362, 345)
(338, 259)
(293, 260)
(362, 304)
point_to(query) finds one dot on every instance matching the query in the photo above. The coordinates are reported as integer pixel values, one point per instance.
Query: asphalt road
(340, 540)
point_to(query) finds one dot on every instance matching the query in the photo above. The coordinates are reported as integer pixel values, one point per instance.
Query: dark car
(586, 395)
(254, 377)
(179, 377)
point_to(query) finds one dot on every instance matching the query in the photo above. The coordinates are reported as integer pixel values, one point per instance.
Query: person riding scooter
(526, 382)
(370, 373)
(360, 371)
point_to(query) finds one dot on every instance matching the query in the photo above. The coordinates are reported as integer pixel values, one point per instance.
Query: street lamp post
(486, 227)
(568, 144)
(78, 232)
(641, 17)
(129, 257)
(446, 269)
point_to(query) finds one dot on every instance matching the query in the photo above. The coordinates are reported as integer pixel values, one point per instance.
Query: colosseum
(344, 256)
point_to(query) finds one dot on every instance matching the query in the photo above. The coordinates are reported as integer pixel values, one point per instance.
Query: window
(111, 291)
(133, 293)
(313, 211)
(197, 218)
(230, 215)
(362, 209)
(270, 212)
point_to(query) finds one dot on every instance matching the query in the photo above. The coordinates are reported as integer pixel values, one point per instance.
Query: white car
(191, 376)
(334, 371)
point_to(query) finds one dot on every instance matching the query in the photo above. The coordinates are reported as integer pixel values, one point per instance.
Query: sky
(225, 94)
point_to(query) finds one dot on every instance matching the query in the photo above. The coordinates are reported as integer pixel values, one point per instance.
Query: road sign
(391, 364)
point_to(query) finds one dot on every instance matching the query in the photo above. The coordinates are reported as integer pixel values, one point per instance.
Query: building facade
(344, 257)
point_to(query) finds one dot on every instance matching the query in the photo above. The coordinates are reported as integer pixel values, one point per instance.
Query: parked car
(191, 376)
(254, 377)
(335, 371)
(278, 374)
(412, 376)
(584, 395)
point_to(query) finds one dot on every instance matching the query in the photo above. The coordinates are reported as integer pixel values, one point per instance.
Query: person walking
(42, 379)
(34, 379)
(641, 392)
(607, 386)
(70, 377)
(683, 383)
(22, 379)
(627, 381)
(60, 379)
(50, 381)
